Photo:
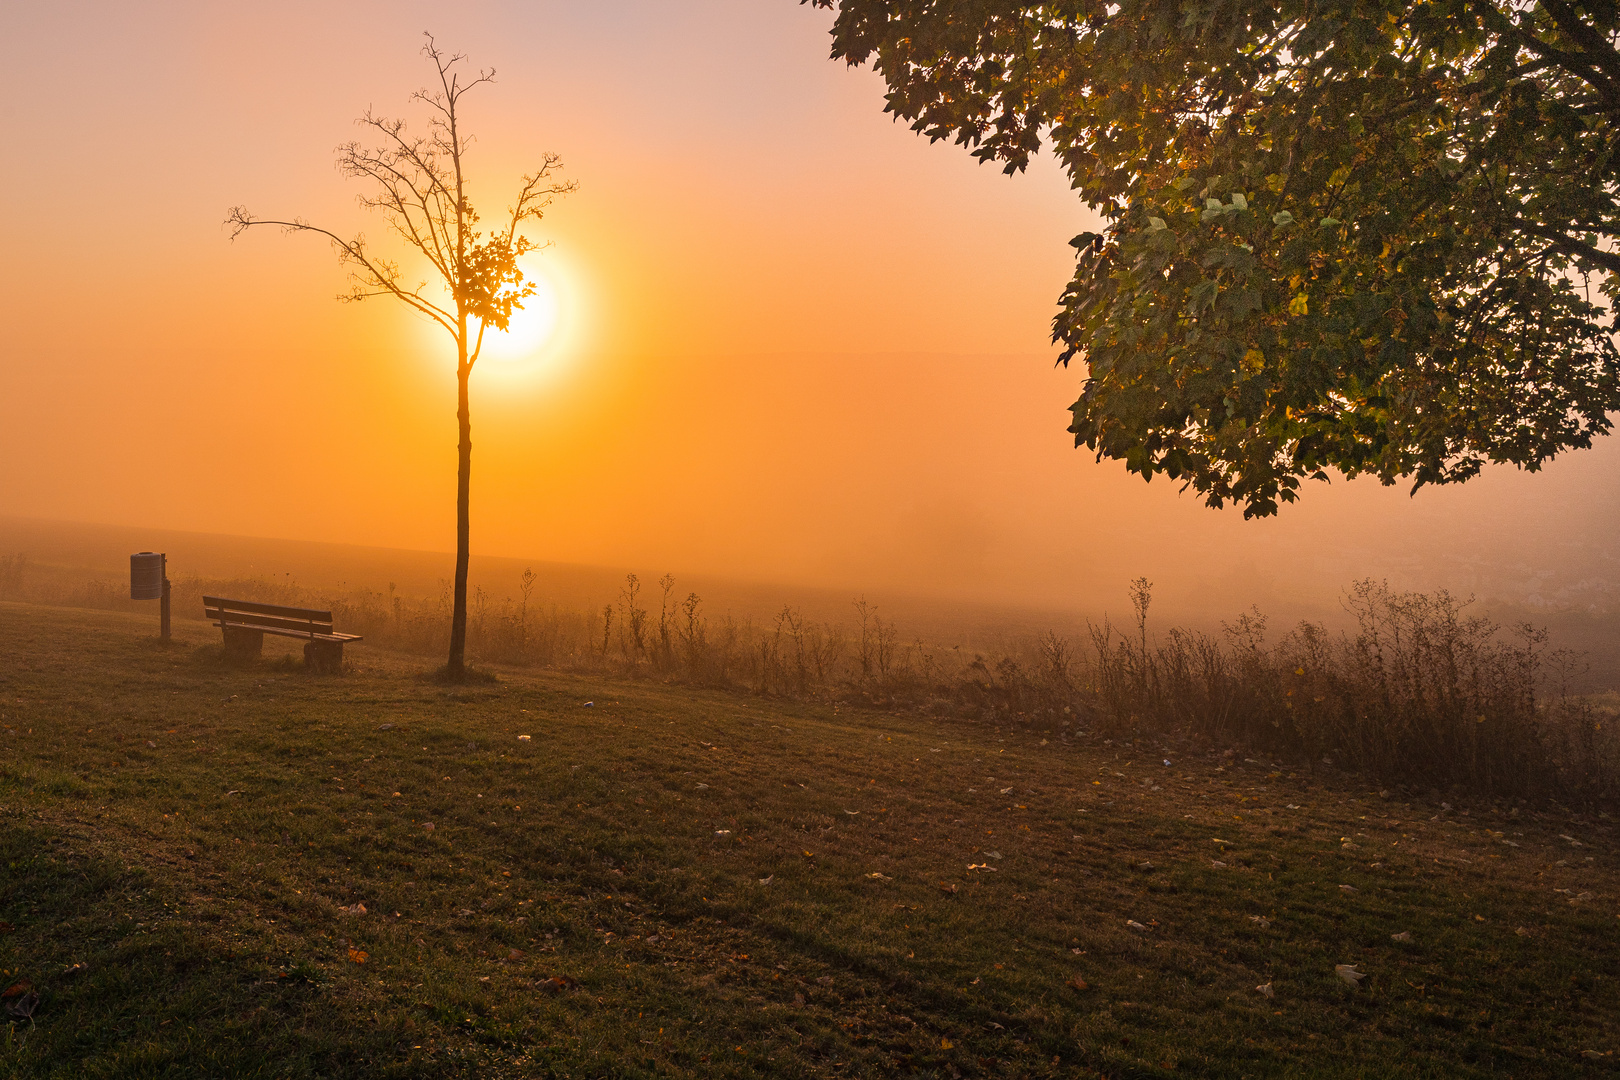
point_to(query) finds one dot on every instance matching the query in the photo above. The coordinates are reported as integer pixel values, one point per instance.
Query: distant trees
(1373, 238)
(418, 183)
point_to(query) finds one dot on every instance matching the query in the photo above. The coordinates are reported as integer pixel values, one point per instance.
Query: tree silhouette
(419, 187)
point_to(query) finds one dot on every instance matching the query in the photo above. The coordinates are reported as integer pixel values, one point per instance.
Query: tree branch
(382, 277)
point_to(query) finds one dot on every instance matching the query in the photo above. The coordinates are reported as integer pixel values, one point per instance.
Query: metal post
(163, 617)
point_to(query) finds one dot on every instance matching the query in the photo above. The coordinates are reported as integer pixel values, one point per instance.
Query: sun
(533, 327)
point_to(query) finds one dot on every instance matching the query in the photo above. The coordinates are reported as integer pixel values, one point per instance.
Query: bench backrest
(249, 613)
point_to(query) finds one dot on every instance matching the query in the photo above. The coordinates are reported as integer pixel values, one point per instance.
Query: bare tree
(419, 186)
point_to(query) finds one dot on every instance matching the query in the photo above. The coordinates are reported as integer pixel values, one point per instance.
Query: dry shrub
(1420, 692)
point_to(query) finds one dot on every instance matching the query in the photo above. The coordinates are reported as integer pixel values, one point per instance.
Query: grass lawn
(666, 882)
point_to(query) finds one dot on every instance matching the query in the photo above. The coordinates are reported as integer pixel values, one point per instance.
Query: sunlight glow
(533, 327)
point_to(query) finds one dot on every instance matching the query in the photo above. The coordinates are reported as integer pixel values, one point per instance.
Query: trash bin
(146, 575)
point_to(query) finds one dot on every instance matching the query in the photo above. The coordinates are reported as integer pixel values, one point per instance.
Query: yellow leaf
(1299, 305)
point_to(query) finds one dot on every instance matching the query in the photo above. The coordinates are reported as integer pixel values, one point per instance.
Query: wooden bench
(245, 623)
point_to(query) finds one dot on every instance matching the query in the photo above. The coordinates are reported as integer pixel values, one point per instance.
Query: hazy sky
(795, 341)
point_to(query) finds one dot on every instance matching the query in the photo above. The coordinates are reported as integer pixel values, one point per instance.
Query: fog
(804, 353)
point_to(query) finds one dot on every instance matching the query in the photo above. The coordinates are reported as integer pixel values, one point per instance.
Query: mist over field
(1287, 583)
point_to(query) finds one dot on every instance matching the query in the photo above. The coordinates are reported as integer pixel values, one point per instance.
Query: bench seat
(245, 622)
(289, 633)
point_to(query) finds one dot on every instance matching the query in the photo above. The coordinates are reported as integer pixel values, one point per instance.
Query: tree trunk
(456, 668)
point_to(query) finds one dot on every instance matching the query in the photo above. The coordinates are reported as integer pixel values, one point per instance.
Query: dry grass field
(211, 871)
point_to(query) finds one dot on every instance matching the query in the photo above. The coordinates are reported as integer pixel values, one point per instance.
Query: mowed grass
(738, 887)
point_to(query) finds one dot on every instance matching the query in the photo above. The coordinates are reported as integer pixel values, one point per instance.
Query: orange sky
(800, 343)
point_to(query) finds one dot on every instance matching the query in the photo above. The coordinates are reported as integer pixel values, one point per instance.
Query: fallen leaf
(1134, 925)
(355, 909)
(1144, 866)
(808, 855)
(17, 989)
(1265, 923)
(1404, 935)
(1265, 990)
(1349, 974)
(556, 984)
(875, 876)
(385, 727)
(1006, 791)
(767, 880)
(76, 969)
(1348, 888)
(359, 956)
(1596, 1055)
(981, 866)
(152, 744)
(946, 886)
(1217, 864)
(428, 825)
(1077, 983)
(853, 813)
(22, 1008)
(945, 1044)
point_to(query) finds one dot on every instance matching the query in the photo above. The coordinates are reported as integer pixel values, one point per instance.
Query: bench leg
(243, 646)
(324, 657)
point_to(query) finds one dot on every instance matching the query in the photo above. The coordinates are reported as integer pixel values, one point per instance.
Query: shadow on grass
(155, 996)
(470, 676)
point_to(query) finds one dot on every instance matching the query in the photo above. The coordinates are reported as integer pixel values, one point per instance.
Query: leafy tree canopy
(1370, 237)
